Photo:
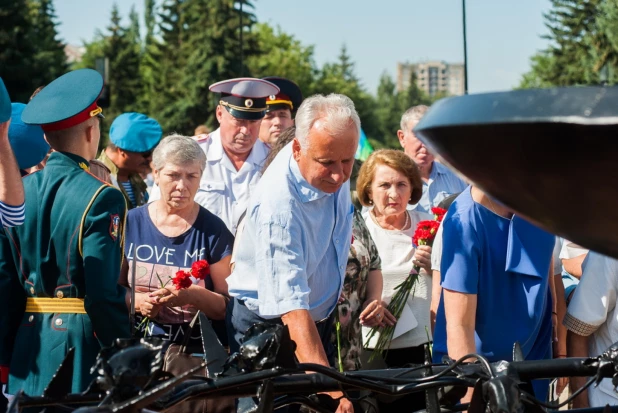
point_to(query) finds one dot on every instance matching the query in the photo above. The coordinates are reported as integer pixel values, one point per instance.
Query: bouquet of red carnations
(424, 235)
(182, 280)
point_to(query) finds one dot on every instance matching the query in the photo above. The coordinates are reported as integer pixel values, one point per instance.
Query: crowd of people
(264, 203)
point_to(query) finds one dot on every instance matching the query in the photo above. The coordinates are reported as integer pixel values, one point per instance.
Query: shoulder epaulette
(204, 137)
(98, 179)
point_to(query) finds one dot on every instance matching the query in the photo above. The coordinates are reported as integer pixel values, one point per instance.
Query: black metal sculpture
(550, 155)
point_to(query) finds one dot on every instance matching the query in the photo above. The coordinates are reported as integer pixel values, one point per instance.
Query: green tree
(163, 63)
(211, 51)
(150, 58)
(50, 59)
(280, 54)
(387, 113)
(28, 45)
(582, 48)
(339, 77)
(412, 96)
(121, 47)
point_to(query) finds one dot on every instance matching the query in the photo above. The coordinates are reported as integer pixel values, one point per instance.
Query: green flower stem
(429, 342)
(338, 329)
(396, 308)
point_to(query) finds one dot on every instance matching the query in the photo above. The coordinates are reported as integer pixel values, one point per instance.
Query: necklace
(405, 224)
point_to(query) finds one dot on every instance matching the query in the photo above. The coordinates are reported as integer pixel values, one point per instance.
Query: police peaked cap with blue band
(135, 132)
(67, 101)
(5, 103)
(289, 96)
(245, 97)
(27, 141)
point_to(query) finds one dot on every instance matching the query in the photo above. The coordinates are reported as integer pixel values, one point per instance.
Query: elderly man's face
(237, 135)
(414, 148)
(327, 163)
(275, 122)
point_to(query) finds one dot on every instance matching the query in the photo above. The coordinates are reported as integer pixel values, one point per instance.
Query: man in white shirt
(592, 321)
(439, 182)
(234, 155)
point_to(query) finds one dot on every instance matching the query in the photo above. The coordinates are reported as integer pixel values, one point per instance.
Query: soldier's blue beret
(135, 132)
(5, 103)
(27, 141)
(289, 96)
(67, 101)
(245, 97)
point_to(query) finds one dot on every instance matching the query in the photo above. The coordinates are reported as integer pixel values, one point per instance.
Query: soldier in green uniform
(59, 271)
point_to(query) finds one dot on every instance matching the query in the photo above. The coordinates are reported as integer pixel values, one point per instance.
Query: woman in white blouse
(388, 181)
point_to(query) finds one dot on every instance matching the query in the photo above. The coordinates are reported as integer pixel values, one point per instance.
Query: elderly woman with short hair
(388, 181)
(169, 235)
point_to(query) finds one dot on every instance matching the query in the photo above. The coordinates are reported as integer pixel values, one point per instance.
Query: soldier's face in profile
(237, 135)
(275, 122)
(134, 162)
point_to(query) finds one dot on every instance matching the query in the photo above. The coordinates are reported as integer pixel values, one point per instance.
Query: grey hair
(414, 114)
(336, 110)
(178, 150)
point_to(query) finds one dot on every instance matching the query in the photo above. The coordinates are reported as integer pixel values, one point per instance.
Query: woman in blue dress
(495, 285)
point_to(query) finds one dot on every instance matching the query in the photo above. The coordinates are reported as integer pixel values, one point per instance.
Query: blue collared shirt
(441, 184)
(294, 246)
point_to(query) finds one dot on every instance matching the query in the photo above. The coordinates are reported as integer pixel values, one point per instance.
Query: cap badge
(272, 97)
(249, 103)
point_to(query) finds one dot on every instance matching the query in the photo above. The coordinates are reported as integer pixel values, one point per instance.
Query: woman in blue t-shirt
(495, 284)
(169, 235)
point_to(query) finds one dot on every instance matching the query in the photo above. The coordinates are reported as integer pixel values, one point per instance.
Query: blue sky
(502, 34)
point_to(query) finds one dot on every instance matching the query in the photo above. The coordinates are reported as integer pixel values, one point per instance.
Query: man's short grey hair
(412, 116)
(178, 150)
(336, 110)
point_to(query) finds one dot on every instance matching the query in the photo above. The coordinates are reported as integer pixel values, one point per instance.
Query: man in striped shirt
(11, 188)
(439, 182)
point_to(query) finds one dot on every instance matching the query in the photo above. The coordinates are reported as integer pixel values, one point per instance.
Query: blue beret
(27, 141)
(67, 101)
(135, 132)
(5, 103)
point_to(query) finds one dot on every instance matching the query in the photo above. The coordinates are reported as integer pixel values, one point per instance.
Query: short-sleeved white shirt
(592, 312)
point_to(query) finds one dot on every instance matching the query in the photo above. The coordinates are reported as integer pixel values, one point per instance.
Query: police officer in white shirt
(234, 155)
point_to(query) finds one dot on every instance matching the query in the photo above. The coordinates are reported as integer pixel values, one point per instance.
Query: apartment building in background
(434, 77)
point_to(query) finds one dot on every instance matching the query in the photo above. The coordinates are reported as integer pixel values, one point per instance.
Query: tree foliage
(31, 55)
(280, 54)
(185, 46)
(583, 36)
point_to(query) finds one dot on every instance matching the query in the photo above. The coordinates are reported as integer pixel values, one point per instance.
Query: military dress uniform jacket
(69, 248)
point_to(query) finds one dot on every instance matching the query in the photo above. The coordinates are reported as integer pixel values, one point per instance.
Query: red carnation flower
(438, 213)
(200, 269)
(182, 280)
(425, 232)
